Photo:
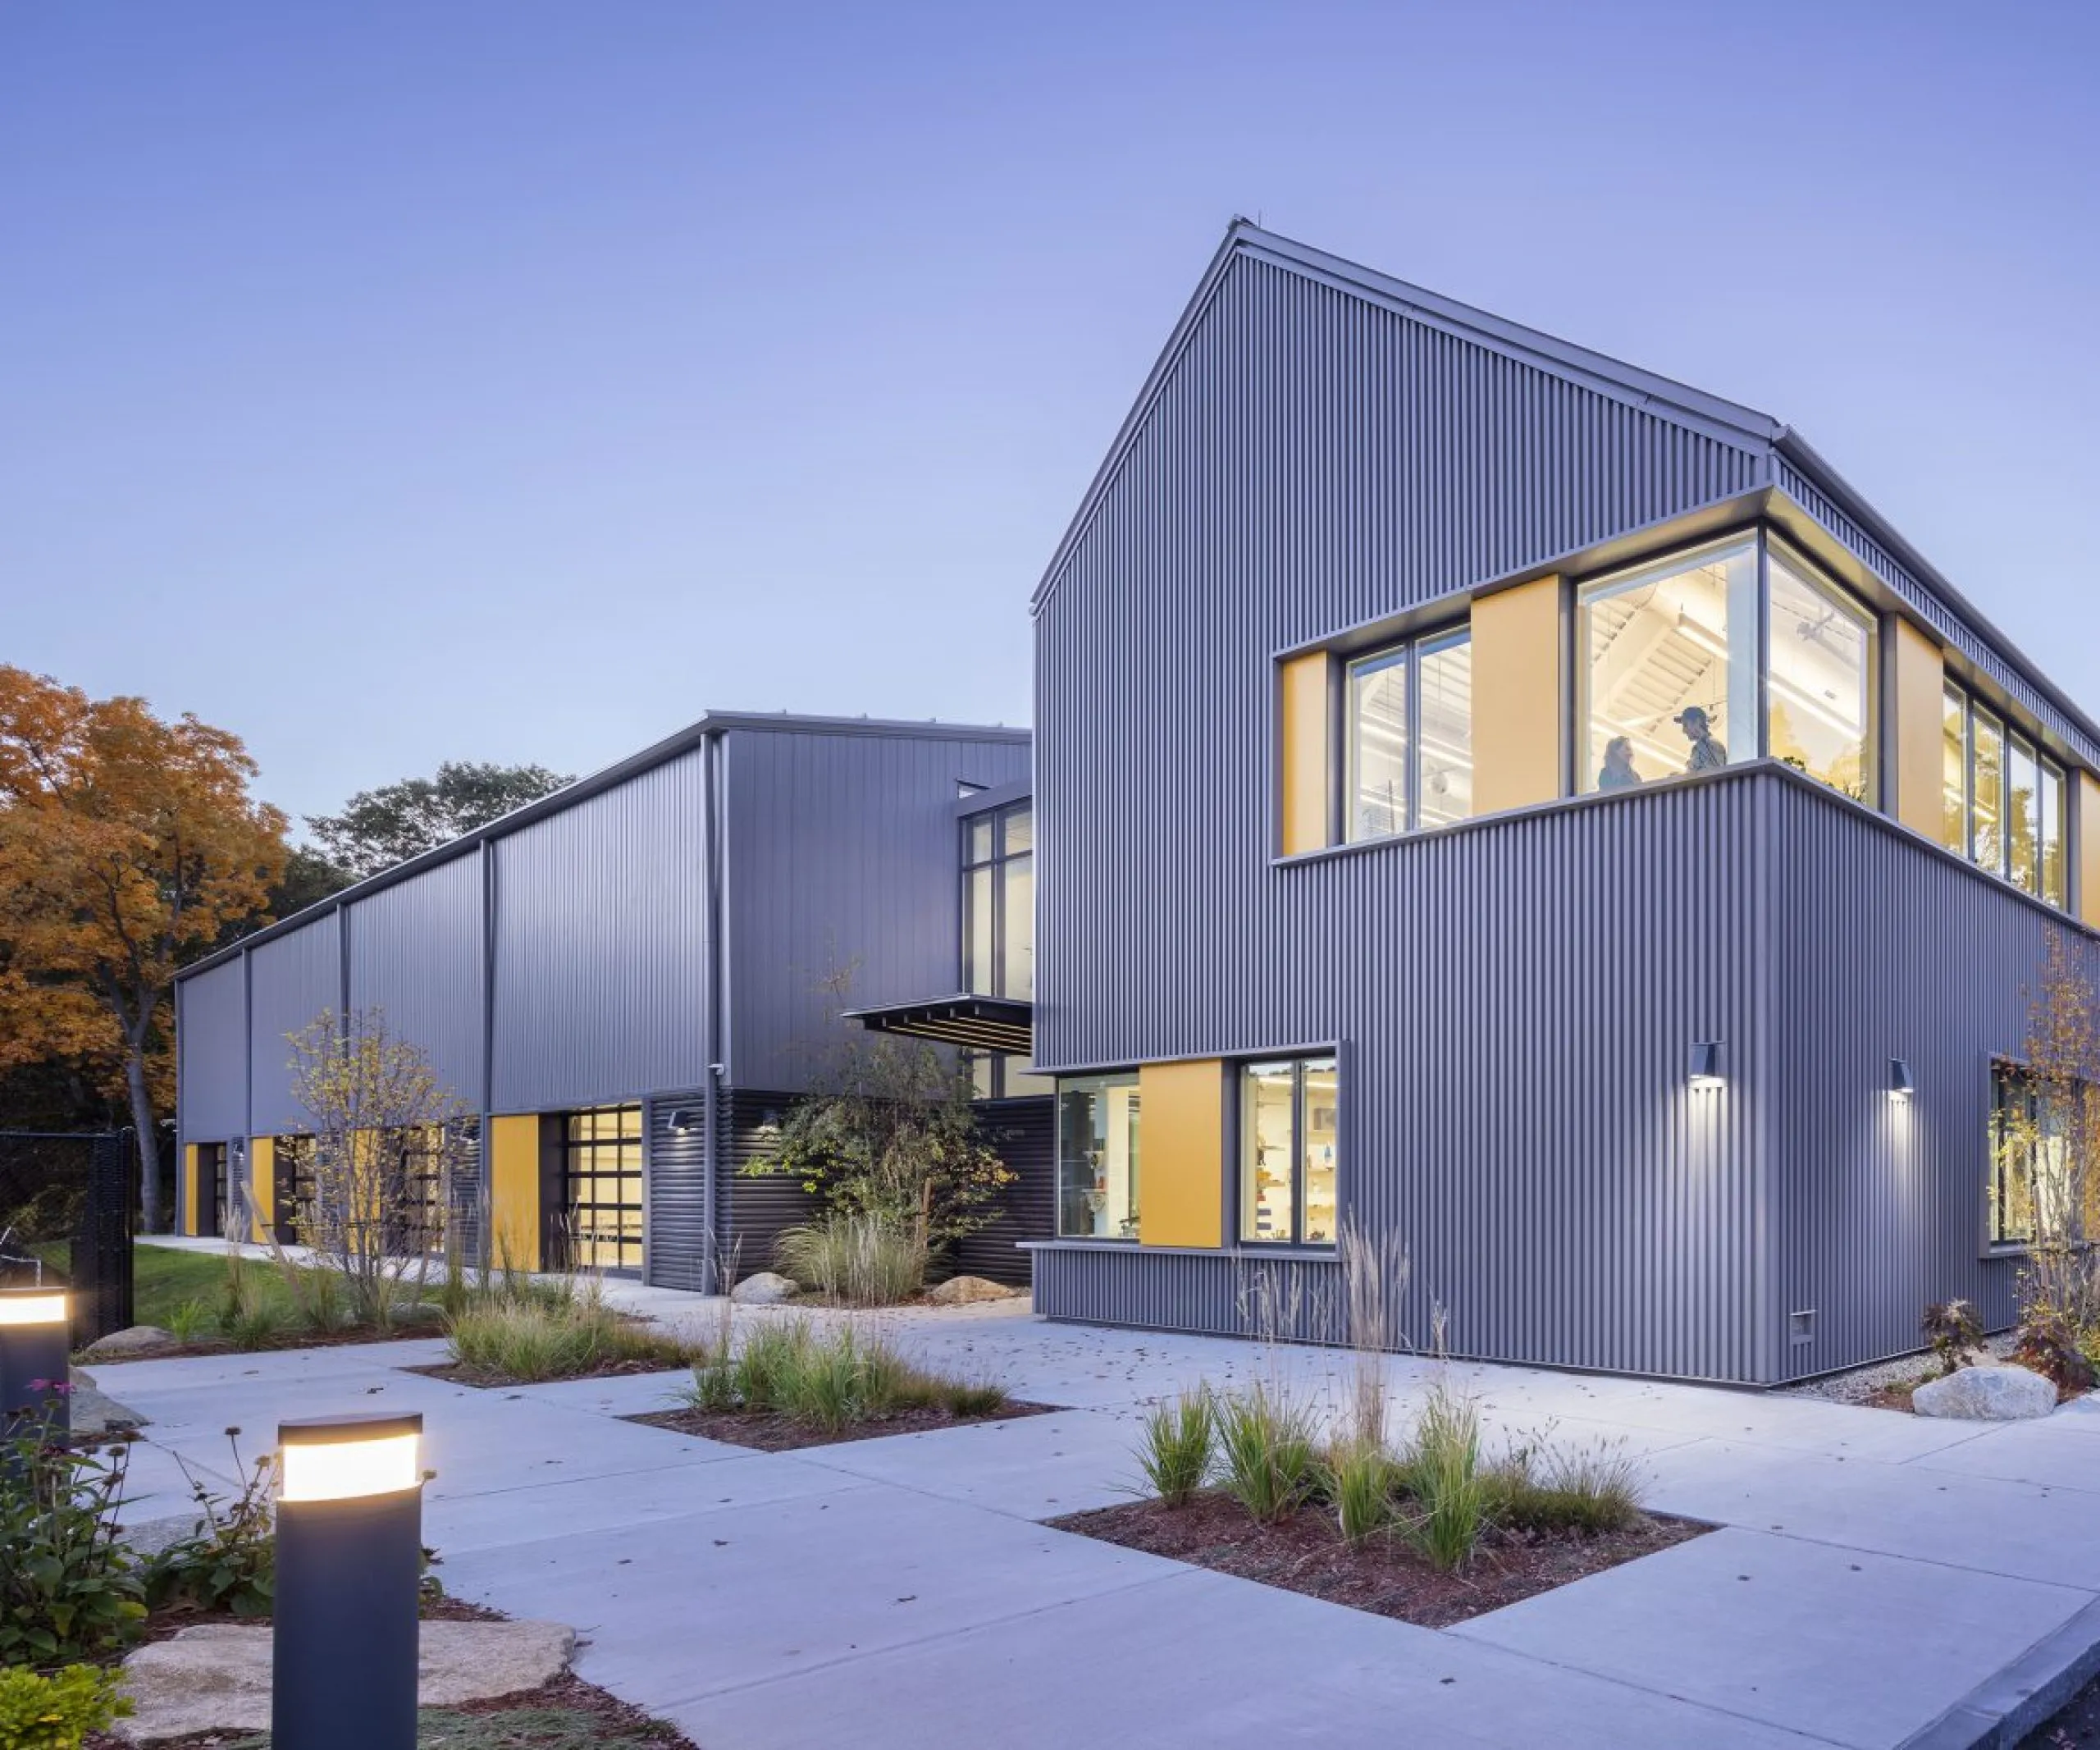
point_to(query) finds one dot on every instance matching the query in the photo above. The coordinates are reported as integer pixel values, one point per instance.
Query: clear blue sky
(393, 382)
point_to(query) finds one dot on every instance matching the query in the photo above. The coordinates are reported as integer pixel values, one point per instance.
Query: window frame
(1821, 584)
(1298, 1061)
(995, 867)
(1099, 1083)
(2003, 1072)
(1407, 655)
(588, 1149)
(2049, 771)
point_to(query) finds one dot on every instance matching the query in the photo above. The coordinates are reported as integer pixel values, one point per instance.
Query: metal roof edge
(596, 784)
(1804, 455)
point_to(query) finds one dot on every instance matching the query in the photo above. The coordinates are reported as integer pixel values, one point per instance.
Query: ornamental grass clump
(1268, 1452)
(829, 1381)
(1179, 1446)
(539, 1338)
(1362, 1481)
(1589, 1489)
(1450, 1498)
(859, 1259)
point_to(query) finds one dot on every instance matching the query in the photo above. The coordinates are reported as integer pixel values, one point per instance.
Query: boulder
(1986, 1394)
(768, 1288)
(966, 1291)
(129, 1344)
(216, 1677)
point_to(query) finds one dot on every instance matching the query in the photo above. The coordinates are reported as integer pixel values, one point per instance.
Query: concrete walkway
(1879, 1579)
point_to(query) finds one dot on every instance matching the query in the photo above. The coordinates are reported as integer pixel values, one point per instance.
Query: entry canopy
(1001, 1024)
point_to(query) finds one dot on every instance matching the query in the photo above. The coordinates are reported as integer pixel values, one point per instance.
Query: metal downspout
(710, 1099)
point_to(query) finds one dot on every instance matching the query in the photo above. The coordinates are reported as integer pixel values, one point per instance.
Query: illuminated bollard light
(36, 1331)
(349, 1566)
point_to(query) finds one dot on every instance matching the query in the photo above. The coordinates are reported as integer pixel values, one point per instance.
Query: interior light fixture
(1706, 1065)
(1900, 1087)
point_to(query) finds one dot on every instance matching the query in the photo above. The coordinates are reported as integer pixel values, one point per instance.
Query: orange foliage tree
(129, 846)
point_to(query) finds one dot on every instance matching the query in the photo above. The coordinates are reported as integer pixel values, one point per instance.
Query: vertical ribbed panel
(679, 1245)
(1025, 1132)
(843, 852)
(753, 1210)
(1951, 629)
(416, 953)
(1884, 949)
(602, 946)
(211, 1040)
(292, 980)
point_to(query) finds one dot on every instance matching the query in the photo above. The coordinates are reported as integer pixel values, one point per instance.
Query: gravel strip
(1860, 1383)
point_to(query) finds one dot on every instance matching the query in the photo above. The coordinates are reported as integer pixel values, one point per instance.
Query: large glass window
(1819, 689)
(601, 1151)
(212, 1211)
(292, 1193)
(1666, 658)
(2031, 1174)
(1289, 1112)
(1411, 737)
(998, 903)
(1098, 1178)
(2003, 800)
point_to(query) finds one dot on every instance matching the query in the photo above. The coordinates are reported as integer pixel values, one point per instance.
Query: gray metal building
(1536, 814)
(626, 981)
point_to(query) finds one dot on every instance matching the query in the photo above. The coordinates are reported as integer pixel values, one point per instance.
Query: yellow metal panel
(1307, 772)
(1181, 1154)
(1915, 721)
(514, 1192)
(2086, 845)
(189, 1218)
(262, 1185)
(1518, 714)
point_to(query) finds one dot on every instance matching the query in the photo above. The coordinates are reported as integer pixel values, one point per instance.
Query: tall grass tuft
(858, 1259)
(1591, 1488)
(1374, 1273)
(1179, 1445)
(1440, 1468)
(1362, 1479)
(1267, 1452)
(539, 1336)
(829, 1381)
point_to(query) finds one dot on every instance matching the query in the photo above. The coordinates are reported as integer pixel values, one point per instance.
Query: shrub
(230, 1561)
(829, 1381)
(1592, 1488)
(1362, 1479)
(1953, 1329)
(69, 1588)
(2047, 1344)
(535, 1338)
(860, 1259)
(1179, 1445)
(57, 1712)
(1441, 1472)
(1268, 1452)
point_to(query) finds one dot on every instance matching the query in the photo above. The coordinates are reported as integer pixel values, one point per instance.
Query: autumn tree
(128, 846)
(378, 828)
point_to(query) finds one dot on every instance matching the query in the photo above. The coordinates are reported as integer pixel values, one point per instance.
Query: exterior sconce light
(350, 1564)
(683, 1119)
(36, 1331)
(1900, 1085)
(1705, 1067)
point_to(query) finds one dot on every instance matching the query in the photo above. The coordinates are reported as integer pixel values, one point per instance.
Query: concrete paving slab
(2048, 1453)
(683, 1607)
(623, 1395)
(496, 1519)
(196, 1373)
(1861, 1648)
(1203, 1659)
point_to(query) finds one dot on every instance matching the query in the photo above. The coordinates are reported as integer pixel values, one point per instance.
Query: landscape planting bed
(767, 1431)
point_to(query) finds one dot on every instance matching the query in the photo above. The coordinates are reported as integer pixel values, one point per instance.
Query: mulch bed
(459, 1373)
(1893, 1397)
(1305, 1554)
(769, 1432)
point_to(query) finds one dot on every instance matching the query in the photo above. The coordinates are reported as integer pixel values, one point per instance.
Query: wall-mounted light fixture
(1900, 1087)
(682, 1118)
(1705, 1067)
(35, 1334)
(350, 1564)
(769, 1121)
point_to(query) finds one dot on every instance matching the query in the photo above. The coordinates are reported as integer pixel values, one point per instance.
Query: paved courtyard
(1878, 1580)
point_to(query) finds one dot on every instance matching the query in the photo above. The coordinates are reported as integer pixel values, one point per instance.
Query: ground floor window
(1288, 1113)
(601, 1176)
(293, 1190)
(1097, 1157)
(211, 1213)
(2029, 1170)
(414, 1162)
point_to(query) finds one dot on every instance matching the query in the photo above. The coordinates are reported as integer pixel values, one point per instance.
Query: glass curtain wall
(1411, 737)
(1097, 1157)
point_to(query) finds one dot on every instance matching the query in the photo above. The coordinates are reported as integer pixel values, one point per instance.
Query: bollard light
(349, 1567)
(36, 1333)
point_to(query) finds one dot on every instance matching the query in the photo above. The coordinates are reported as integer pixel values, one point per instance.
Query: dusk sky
(390, 383)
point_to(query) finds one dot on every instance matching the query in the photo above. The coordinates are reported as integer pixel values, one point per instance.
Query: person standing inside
(1707, 754)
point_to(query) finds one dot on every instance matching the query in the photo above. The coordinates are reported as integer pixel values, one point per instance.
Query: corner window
(1666, 662)
(998, 903)
(1097, 1157)
(2029, 1169)
(1820, 693)
(2003, 801)
(1288, 1127)
(1411, 737)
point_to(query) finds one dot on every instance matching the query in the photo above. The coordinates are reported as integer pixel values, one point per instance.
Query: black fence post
(101, 1243)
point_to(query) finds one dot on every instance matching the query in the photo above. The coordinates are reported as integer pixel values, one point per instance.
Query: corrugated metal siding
(1025, 1132)
(754, 1210)
(416, 953)
(212, 1047)
(602, 946)
(1884, 949)
(1951, 629)
(843, 852)
(680, 1246)
(292, 980)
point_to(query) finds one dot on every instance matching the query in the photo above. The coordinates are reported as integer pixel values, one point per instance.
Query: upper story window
(1411, 737)
(2002, 801)
(998, 903)
(1820, 692)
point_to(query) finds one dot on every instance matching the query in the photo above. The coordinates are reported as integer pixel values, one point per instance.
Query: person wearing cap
(1707, 754)
(1618, 772)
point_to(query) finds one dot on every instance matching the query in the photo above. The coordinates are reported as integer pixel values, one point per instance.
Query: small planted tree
(389, 1149)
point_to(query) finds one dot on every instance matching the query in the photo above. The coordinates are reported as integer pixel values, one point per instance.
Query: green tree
(378, 828)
